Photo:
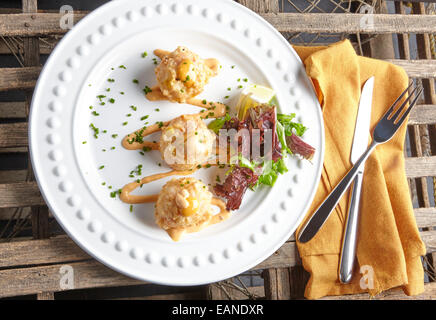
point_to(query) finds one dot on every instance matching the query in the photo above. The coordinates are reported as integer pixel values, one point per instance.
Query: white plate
(67, 170)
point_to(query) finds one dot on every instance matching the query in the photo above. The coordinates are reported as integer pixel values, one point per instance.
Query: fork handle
(348, 252)
(323, 212)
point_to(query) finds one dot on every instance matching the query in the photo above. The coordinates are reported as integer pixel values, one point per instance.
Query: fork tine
(411, 105)
(401, 108)
(388, 113)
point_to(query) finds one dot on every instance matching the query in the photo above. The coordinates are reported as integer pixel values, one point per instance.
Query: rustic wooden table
(36, 257)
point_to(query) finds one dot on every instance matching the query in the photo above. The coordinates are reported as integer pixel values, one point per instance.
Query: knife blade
(360, 144)
(315, 222)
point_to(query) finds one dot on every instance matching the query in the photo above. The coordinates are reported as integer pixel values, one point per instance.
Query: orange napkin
(389, 243)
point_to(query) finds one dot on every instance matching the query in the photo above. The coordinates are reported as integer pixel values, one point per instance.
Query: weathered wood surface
(25, 78)
(423, 114)
(87, 274)
(16, 109)
(39, 24)
(18, 78)
(13, 135)
(417, 68)
(20, 194)
(420, 167)
(216, 292)
(24, 194)
(39, 261)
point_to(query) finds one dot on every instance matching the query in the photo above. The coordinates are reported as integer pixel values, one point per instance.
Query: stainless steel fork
(383, 132)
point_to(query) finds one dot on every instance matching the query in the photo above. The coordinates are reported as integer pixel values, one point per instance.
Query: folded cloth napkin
(389, 246)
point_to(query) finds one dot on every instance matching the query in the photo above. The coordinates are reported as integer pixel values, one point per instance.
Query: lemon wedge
(253, 96)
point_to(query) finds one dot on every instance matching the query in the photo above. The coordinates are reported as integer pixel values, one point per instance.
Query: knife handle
(349, 241)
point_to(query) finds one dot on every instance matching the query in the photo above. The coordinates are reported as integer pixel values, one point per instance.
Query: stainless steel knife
(360, 144)
(318, 219)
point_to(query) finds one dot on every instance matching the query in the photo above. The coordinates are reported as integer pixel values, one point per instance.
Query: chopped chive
(111, 80)
(84, 142)
(122, 67)
(147, 90)
(135, 81)
(144, 54)
(101, 167)
(114, 136)
(133, 108)
(125, 123)
(144, 117)
(157, 110)
(111, 100)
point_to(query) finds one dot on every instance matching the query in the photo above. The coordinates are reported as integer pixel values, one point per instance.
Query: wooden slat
(190, 295)
(14, 150)
(60, 249)
(10, 176)
(21, 194)
(48, 23)
(261, 6)
(425, 217)
(25, 78)
(45, 251)
(13, 135)
(33, 24)
(217, 293)
(420, 167)
(423, 114)
(18, 78)
(13, 110)
(277, 282)
(417, 68)
(393, 294)
(350, 23)
(89, 274)
(46, 278)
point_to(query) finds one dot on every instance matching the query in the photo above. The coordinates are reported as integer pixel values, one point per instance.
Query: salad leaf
(288, 124)
(217, 124)
(281, 134)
